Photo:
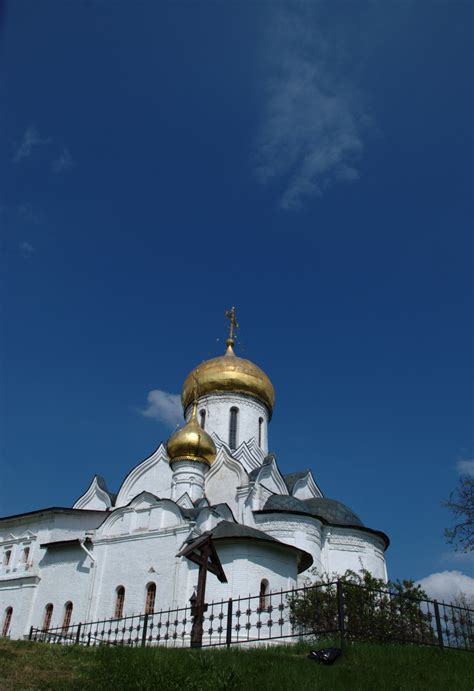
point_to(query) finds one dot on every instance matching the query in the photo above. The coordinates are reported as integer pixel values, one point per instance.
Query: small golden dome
(229, 374)
(191, 443)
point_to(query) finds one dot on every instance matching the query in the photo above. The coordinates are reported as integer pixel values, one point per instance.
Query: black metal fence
(348, 611)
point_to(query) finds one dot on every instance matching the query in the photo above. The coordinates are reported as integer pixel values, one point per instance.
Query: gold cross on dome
(230, 314)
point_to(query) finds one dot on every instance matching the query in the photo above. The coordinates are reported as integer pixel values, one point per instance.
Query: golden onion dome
(229, 374)
(191, 443)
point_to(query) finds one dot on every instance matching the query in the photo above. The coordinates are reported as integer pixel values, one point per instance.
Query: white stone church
(115, 554)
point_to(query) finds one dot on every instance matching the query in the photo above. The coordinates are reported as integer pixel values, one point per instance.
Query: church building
(110, 554)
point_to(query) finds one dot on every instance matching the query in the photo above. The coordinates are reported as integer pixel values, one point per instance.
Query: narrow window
(150, 598)
(48, 613)
(263, 600)
(67, 616)
(203, 419)
(233, 428)
(7, 621)
(119, 602)
(260, 427)
(25, 555)
(7, 557)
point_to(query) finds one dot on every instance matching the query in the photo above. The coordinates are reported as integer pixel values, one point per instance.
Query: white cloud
(26, 248)
(30, 140)
(447, 585)
(63, 162)
(164, 406)
(311, 130)
(466, 467)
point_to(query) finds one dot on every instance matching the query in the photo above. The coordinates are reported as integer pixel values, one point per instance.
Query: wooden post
(199, 606)
(30, 635)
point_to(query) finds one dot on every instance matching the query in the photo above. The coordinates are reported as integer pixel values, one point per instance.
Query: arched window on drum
(234, 413)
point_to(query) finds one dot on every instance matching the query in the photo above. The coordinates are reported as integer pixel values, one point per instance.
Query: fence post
(228, 636)
(78, 632)
(340, 613)
(438, 625)
(145, 626)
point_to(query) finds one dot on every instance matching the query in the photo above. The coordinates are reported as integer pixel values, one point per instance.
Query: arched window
(6, 557)
(263, 599)
(150, 598)
(7, 621)
(67, 615)
(203, 419)
(233, 427)
(120, 599)
(48, 613)
(260, 427)
(25, 555)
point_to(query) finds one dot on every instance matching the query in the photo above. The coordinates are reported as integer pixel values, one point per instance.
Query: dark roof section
(53, 509)
(329, 511)
(103, 486)
(233, 531)
(332, 511)
(292, 478)
(266, 461)
(283, 502)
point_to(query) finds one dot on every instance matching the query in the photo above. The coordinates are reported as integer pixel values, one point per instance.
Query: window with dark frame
(7, 621)
(6, 557)
(48, 614)
(233, 428)
(203, 419)
(67, 615)
(119, 602)
(263, 599)
(25, 555)
(150, 598)
(260, 426)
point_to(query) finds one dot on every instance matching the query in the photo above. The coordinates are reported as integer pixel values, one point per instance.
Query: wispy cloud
(448, 585)
(164, 406)
(63, 162)
(466, 467)
(26, 248)
(312, 123)
(28, 213)
(31, 140)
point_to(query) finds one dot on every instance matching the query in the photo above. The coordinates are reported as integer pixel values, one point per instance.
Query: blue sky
(311, 164)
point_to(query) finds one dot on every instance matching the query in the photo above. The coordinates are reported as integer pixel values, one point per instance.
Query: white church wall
(246, 563)
(66, 576)
(133, 561)
(217, 407)
(223, 479)
(299, 531)
(348, 548)
(18, 593)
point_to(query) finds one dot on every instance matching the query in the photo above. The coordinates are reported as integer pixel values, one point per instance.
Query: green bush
(373, 609)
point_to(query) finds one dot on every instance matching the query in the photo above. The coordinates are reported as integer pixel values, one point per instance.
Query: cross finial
(230, 314)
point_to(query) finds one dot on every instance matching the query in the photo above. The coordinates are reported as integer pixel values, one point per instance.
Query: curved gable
(96, 497)
(152, 475)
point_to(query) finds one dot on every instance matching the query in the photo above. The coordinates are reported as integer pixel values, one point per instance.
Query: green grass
(364, 666)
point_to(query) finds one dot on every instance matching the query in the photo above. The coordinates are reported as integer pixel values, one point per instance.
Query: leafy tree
(373, 609)
(461, 503)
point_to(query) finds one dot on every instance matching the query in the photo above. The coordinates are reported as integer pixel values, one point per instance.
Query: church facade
(111, 555)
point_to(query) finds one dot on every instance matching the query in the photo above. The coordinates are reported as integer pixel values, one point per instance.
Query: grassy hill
(364, 666)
